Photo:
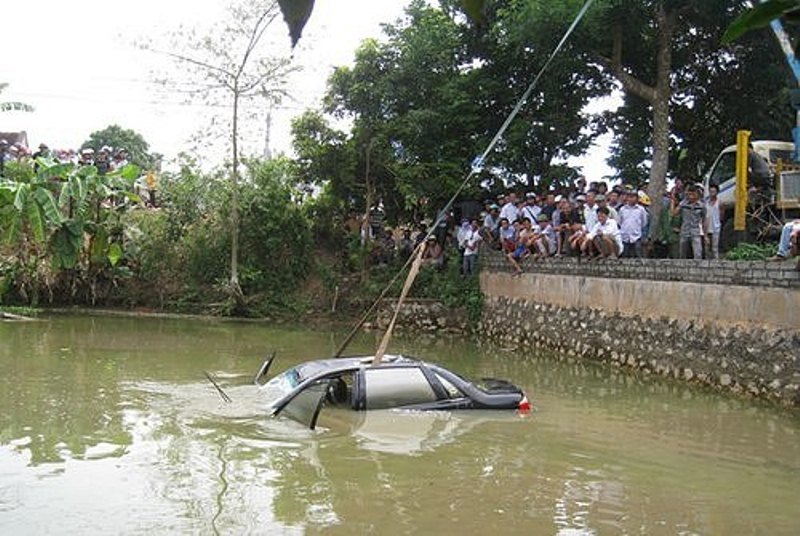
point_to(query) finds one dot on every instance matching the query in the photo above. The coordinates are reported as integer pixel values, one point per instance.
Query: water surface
(108, 425)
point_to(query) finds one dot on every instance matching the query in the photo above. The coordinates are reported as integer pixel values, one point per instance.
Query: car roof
(321, 367)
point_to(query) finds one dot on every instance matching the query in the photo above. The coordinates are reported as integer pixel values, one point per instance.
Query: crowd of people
(590, 221)
(106, 159)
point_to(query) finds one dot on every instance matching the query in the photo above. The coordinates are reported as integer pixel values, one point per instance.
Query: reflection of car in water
(410, 432)
(396, 383)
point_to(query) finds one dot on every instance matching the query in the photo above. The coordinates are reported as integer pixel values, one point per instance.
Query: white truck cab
(723, 172)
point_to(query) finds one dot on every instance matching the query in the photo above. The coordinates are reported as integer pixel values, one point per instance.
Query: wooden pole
(412, 274)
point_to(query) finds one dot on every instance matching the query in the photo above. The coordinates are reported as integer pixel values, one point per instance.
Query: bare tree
(230, 69)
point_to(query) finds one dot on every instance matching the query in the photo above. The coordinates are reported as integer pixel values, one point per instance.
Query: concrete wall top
(719, 272)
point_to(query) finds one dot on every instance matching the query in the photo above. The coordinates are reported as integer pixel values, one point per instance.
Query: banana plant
(760, 15)
(28, 211)
(67, 215)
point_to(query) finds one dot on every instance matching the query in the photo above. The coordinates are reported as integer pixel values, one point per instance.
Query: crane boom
(794, 64)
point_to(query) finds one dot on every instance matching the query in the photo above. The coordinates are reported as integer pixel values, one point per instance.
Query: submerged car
(397, 382)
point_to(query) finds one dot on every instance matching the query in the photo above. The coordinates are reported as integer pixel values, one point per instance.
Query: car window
(305, 406)
(452, 390)
(393, 387)
(280, 386)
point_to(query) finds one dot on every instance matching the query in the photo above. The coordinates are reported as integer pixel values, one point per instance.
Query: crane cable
(475, 168)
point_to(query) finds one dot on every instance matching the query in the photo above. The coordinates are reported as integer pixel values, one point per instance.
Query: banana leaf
(759, 17)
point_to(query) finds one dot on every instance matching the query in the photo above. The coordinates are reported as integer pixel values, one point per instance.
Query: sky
(79, 65)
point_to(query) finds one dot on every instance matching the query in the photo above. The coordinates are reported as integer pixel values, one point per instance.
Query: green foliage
(183, 249)
(429, 98)
(751, 252)
(447, 286)
(62, 230)
(760, 16)
(30, 312)
(66, 244)
(275, 235)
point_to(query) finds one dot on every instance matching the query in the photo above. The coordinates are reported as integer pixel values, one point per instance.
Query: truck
(772, 201)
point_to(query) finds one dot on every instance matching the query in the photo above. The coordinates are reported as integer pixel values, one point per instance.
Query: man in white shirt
(604, 237)
(545, 237)
(590, 210)
(531, 210)
(713, 222)
(471, 244)
(632, 223)
(509, 210)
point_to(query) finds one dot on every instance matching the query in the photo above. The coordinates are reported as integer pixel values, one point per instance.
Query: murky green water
(108, 426)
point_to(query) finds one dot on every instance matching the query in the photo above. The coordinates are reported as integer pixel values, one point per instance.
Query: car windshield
(281, 385)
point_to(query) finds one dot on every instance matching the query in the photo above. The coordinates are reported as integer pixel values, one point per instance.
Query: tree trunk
(235, 288)
(658, 171)
(663, 96)
(659, 97)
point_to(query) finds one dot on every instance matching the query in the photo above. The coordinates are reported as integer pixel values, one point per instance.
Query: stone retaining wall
(696, 326)
(422, 315)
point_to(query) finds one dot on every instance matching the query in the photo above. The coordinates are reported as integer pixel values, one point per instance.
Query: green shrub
(751, 252)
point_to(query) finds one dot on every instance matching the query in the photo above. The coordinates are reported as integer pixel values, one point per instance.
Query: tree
(13, 106)
(551, 127)
(229, 66)
(325, 156)
(116, 137)
(663, 55)
(433, 94)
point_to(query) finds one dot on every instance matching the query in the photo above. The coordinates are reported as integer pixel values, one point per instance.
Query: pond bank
(739, 333)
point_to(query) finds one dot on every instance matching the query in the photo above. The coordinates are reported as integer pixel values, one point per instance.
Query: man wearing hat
(434, 254)
(86, 157)
(490, 224)
(531, 209)
(545, 237)
(602, 202)
(42, 152)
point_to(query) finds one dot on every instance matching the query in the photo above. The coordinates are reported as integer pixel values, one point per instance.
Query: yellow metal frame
(740, 212)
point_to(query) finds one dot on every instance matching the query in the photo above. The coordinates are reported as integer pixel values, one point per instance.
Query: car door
(305, 405)
(394, 387)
